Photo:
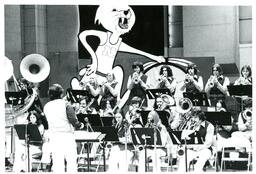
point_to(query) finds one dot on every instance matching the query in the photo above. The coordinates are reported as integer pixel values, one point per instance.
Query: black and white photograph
(126, 87)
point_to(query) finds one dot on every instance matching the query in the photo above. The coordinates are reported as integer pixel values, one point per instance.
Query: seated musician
(93, 88)
(117, 159)
(246, 76)
(36, 148)
(216, 86)
(28, 88)
(138, 83)
(132, 115)
(224, 131)
(244, 134)
(84, 108)
(161, 105)
(241, 137)
(155, 122)
(193, 83)
(201, 152)
(108, 92)
(107, 109)
(166, 80)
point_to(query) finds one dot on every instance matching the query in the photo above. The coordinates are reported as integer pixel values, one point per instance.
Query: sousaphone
(34, 68)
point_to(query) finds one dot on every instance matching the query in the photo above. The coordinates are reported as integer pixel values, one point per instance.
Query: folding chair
(231, 153)
(95, 154)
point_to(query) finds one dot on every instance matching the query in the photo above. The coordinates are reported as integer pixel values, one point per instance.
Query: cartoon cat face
(115, 18)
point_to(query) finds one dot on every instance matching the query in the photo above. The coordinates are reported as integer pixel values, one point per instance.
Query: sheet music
(84, 135)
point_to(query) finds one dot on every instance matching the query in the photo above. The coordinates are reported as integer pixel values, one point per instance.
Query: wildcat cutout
(117, 20)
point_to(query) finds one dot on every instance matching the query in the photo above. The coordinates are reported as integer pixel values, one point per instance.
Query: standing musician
(117, 158)
(132, 115)
(156, 154)
(193, 83)
(216, 86)
(166, 80)
(200, 152)
(93, 89)
(62, 121)
(109, 91)
(246, 76)
(137, 83)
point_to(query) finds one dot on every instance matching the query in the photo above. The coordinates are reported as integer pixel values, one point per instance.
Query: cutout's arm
(126, 48)
(82, 36)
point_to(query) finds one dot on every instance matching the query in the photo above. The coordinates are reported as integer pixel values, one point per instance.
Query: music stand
(198, 99)
(29, 133)
(90, 120)
(164, 117)
(193, 139)
(75, 96)
(110, 131)
(107, 121)
(153, 93)
(218, 118)
(14, 99)
(240, 90)
(145, 137)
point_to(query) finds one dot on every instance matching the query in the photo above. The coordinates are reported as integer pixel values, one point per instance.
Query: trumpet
(187, 78)
(162, 78)
(84, 84)
(244, 81)
(212, 81)
(102, 84)
(135, 77)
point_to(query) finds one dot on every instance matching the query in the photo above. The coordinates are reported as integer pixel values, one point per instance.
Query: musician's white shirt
(55, 112)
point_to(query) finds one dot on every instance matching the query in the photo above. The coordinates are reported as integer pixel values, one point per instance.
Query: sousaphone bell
(7, 68)
(35, 68)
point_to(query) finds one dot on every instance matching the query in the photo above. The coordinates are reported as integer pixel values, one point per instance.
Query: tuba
(184, 106)
(34, 68)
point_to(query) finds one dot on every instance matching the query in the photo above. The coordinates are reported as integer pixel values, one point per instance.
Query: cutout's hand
(91, 69)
